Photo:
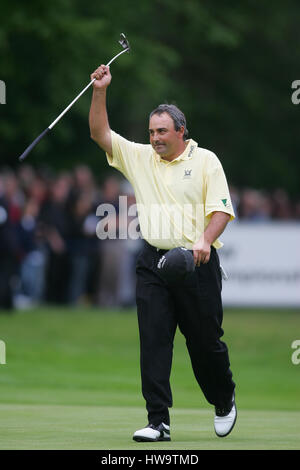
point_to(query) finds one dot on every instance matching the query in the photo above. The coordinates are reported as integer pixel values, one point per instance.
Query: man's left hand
(201, 251)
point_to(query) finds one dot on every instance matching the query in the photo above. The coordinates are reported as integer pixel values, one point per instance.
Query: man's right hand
(103, 77)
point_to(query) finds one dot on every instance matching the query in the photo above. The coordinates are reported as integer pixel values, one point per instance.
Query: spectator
(33, 263)
(255, 206)
(297, 210)
(55, 226)
(282, 205)
(10, 255)
(84, 182)
(82, 246)
(110, 248)
(38, 190)
(26, 177)
(130, 249)
(14, 196)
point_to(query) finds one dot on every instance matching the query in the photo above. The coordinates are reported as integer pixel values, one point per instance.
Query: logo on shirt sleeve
(226, 204)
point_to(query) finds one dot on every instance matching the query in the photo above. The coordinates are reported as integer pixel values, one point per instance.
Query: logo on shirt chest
(187, 174)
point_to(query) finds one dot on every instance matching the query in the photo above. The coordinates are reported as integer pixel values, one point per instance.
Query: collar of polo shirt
(186, 155)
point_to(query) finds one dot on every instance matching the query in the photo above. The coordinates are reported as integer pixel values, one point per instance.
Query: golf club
(125, 44)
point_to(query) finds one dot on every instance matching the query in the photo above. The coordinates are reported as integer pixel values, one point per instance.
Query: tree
(228, 65)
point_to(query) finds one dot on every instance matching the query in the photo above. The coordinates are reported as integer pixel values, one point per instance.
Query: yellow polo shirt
(174, 199)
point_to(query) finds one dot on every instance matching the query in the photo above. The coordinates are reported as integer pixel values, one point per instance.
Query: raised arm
(98, 120)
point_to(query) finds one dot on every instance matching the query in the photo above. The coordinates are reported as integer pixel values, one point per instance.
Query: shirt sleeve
(124, 155)
(217, 192)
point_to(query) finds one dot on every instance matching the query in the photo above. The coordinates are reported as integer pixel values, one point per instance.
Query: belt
(160, 251)
(156, 250)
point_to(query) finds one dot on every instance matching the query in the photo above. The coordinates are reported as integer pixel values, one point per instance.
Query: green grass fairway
(71, 381)
(97, 427)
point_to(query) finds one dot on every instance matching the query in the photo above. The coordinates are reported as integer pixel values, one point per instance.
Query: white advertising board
(262, 261)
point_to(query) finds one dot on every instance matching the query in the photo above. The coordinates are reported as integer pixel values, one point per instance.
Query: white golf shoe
(153, 433)
(225, 419)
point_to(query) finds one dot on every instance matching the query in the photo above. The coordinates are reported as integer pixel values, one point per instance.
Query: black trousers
(195, 306)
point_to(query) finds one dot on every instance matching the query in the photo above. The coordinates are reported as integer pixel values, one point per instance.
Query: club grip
(33, 144)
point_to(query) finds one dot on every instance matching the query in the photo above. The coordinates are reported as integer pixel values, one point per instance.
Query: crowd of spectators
(50, 249)
(263, 206)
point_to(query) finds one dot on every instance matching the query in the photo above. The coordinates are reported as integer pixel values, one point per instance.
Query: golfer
(183, 204)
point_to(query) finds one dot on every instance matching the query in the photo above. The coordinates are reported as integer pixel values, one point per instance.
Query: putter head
(124, 42)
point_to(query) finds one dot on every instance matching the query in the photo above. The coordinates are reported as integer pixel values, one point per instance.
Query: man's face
(165, 140)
